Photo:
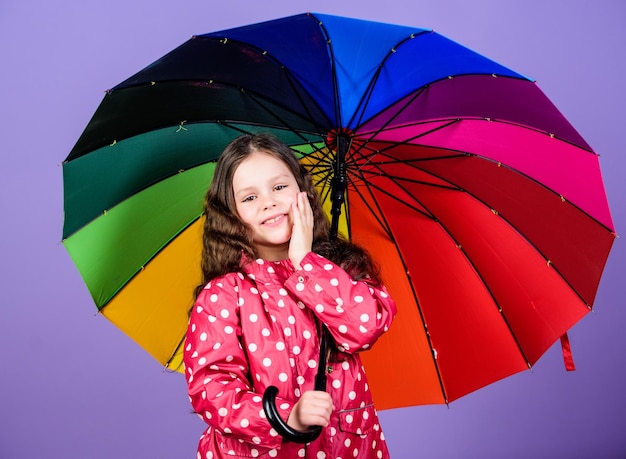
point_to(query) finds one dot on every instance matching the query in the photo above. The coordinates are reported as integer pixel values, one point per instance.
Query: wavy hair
(226, 238)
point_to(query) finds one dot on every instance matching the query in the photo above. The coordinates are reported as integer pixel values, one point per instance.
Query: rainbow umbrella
(484, 207)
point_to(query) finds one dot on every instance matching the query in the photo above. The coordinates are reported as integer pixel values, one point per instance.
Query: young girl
(271, 274)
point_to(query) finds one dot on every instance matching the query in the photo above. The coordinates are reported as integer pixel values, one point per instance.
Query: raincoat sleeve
(216, 368)
(356, 313)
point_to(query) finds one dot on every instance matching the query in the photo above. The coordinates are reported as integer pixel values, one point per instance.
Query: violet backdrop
(73, 386)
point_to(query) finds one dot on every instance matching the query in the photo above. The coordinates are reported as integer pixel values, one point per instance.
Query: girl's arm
(216, 368)
(355, 312)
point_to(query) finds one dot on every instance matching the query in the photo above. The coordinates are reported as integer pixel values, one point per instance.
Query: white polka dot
(352, 395)
(281, 303)
(283, 292)
(308, 267)
(253, 318)
(287, 331)
(265, 332)
(291, 320)
(321, 455)
(203, 336)
(240, 301)
(336, 384)
(300, 286)
(224, 313)
(222, 412)
(280, 345)
(267, 362)
(318, 288)
(347, 443)
(364, 318)
(202, 361)
(296, 350)
(328, 267)
(300, 379)
(256, 440)
(343, 329)
(306, 334)
(345, 365)
(228, 330)
(319, 308)
(362, 329)
(213, 298)
(349, 419)
(355, 453)
(216, 346)
(252, 347)
(283, 377)
(212, 319)
(312, 363)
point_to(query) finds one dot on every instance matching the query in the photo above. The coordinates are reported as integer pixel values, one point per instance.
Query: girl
(271, 274)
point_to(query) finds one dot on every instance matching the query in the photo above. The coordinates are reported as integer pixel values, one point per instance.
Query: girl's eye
(279, 187)
(248, 198)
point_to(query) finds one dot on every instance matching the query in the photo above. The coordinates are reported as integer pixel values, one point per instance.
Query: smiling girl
(271, 274)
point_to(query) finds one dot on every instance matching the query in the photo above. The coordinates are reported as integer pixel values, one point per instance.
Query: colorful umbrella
(484, 207)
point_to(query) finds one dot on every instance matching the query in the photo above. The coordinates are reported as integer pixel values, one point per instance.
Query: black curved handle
(285, 431)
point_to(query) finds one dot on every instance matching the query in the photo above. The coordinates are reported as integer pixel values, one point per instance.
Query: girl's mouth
(273, 220)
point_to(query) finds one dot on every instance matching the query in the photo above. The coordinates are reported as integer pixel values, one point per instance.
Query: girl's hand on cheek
(302, 231)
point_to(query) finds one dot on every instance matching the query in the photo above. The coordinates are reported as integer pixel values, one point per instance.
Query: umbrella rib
(389, 231)
(367, 95)
(333, 68)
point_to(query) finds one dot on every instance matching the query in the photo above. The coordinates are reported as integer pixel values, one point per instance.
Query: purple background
(73, 386)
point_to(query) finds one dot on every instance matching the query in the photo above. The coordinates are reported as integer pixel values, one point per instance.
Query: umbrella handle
(286, 431)
(269, 401)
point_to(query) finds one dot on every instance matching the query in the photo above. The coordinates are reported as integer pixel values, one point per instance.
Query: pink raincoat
(255, 329)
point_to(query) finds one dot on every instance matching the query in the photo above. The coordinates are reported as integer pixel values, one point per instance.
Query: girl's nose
(267, 202)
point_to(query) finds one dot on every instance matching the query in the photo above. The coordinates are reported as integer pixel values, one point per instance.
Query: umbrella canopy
(484, 207)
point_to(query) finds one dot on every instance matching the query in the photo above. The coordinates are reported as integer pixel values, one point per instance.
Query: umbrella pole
(340, 181)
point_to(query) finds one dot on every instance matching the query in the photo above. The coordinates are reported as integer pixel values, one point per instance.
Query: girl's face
(265, 189)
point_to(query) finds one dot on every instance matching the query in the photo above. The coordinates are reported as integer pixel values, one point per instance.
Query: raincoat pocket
(359, 421)
(234, 447)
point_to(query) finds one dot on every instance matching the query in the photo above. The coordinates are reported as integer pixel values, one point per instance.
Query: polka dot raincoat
(257, 328)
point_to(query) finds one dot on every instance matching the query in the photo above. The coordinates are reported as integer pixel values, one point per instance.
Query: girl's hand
(302, 231)
(313, 409)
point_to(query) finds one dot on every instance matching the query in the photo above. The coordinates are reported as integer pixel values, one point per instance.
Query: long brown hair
(226, 238)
